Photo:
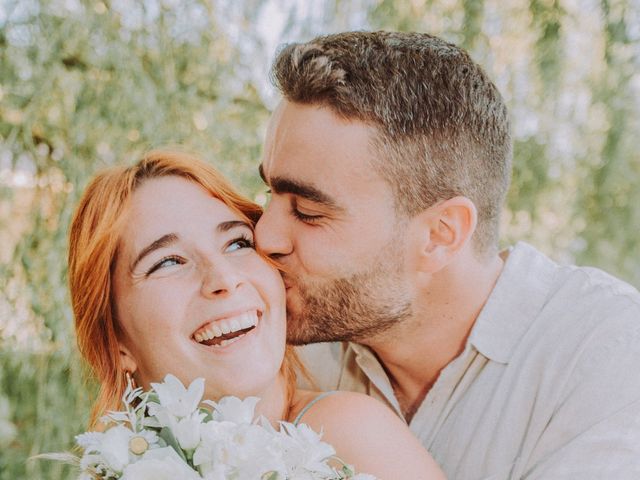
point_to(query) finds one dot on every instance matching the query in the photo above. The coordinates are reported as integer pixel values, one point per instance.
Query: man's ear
(442, 231)
(127, 360)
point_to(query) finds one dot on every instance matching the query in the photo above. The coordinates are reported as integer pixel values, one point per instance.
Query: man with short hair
(389, 159)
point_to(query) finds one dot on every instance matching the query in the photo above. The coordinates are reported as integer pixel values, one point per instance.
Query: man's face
(332, 224)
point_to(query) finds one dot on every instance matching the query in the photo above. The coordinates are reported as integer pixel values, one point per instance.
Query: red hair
(93, 247)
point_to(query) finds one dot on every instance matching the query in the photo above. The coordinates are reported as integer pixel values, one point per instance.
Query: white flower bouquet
(164, 434)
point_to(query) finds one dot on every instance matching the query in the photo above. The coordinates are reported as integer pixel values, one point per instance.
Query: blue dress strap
(311, 404)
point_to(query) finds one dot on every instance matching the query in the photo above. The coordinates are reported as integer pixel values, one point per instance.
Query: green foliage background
(86, 84)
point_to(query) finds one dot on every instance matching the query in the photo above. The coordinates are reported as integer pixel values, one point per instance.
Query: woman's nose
(219, 279)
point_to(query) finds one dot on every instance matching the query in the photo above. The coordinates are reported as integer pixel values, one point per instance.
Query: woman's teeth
(226, 328)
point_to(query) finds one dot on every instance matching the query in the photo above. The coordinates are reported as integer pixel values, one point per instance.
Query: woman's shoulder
(337, 406)
(366, 433)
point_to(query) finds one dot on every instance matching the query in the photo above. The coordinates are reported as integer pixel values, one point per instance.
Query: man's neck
(416, 351)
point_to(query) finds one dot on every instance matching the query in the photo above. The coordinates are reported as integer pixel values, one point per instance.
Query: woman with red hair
(165, 278)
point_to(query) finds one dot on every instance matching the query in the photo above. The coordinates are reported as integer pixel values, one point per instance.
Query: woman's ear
(127, 360)
(442, 231)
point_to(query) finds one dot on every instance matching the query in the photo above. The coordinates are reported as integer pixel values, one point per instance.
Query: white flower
(256, 453)
(110, 448)
(232, 409)
(218, 472)
(305, 451)
(160, 464)
(175, 399)
(89, 441)
(187, 431)
(230, 444)
(216, 440)
(231, 450)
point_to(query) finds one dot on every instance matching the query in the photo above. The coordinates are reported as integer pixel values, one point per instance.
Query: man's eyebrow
(301, 189)
(161, 242)
(226, 226)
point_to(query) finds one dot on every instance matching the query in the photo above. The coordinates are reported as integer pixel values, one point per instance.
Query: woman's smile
(227, 330)
(218, 331)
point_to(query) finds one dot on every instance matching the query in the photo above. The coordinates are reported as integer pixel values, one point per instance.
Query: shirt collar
(372, 368)
(519, 295)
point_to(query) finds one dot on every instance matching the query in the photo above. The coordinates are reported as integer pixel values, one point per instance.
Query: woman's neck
(274, 401)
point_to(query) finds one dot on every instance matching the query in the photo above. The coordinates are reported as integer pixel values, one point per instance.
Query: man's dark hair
(443, 128)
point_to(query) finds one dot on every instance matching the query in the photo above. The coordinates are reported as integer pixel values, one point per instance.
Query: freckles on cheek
(158, 317)
(145, 313)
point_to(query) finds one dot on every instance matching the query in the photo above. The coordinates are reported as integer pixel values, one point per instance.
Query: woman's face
(192, 296)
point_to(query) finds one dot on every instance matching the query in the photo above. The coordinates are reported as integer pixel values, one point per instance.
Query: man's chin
(297, 342)
(296, 331)
(299, 332)
(293, 314)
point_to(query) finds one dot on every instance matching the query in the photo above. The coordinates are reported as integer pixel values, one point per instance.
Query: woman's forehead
(172, 204)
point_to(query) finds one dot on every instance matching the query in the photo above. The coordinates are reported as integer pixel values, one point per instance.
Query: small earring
(130, 380)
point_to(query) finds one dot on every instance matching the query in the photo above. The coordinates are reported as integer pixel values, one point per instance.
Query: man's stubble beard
(353, 308)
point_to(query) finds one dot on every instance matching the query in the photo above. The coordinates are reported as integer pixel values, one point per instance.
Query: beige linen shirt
(548, 386)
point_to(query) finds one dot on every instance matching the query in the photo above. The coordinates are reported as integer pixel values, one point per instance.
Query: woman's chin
(242, 367)
(256, 384)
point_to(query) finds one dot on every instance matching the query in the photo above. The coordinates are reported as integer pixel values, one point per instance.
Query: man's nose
(221, 278)
(273, 233)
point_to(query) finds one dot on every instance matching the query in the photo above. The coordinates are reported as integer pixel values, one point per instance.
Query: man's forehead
(274, 119)
(270, 139)
(313, 131)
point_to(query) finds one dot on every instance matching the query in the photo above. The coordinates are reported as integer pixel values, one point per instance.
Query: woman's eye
(239, 244)
(164, 263)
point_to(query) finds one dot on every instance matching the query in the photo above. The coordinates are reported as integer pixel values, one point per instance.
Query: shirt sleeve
(594, 432)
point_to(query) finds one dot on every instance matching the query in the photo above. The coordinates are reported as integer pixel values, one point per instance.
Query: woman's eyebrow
(171, 238)
(226, 226)
(163, 241)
